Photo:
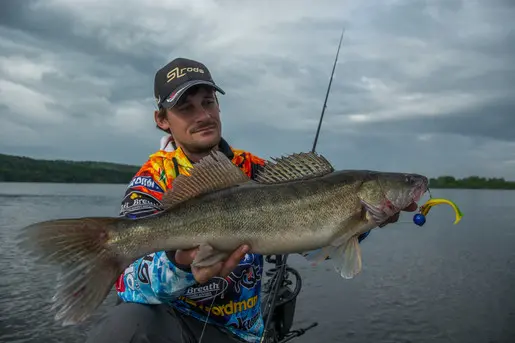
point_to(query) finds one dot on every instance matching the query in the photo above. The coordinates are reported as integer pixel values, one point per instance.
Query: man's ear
(161, 121)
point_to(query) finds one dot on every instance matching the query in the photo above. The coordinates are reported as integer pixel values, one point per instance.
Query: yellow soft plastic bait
(420, 218)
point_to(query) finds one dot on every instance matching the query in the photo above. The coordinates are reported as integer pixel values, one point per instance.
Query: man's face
(195, 120)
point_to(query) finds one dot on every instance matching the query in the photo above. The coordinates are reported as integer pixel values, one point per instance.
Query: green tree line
(24, 169)
(471, 182)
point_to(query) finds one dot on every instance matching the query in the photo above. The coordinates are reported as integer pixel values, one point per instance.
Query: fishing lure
(420, 218)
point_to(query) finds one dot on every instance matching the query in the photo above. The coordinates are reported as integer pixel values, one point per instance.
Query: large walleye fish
(298, 204)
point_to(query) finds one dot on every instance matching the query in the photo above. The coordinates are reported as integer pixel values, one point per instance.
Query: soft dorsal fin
(298, 166)
(213, 172)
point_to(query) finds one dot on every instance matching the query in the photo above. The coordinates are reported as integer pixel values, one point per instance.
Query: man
(163, 298)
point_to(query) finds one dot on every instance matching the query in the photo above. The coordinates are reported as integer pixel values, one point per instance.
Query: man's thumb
(185, 257)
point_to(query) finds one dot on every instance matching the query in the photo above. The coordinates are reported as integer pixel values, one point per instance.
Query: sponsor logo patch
(207, 291)
(147, 182)
(246, 275)
(137, 202)
(230, 308)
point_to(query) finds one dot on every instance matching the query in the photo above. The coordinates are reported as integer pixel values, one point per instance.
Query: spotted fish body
(298, 204)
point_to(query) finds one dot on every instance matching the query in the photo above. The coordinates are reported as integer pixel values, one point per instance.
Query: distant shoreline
(471, 182)
(29, 170)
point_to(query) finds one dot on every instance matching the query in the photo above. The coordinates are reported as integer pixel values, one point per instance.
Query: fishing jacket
(233, 302)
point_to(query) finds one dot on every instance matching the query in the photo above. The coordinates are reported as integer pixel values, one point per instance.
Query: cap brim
(170, 101)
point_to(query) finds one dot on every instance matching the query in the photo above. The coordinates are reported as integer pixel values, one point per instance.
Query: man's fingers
(390, 220)
(186, 257)
(233, 260)
(394, 218)
(203, 275)
(411, 208)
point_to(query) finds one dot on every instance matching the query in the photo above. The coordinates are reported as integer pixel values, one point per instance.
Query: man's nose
(200, 112)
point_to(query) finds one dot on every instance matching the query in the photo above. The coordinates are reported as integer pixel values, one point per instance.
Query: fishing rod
(278, 279)
(327, 94)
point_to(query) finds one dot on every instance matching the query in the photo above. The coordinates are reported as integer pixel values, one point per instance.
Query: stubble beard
(202, 148)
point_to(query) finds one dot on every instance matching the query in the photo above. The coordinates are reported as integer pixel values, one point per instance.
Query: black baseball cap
(177, 77)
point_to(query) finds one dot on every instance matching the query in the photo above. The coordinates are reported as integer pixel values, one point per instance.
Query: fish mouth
(418, 186)
(396, 199)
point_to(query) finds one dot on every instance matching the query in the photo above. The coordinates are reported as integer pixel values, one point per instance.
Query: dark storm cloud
(76, 80)
(455, 60)
(53, 30)
(492, 121)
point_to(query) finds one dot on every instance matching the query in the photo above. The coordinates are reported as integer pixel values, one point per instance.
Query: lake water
(437, 283)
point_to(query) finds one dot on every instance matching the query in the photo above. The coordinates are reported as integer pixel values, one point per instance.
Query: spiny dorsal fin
(211, 173)
(298, 166)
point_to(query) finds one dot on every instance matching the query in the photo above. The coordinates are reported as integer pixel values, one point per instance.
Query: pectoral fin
(377, 214)
(345, 257)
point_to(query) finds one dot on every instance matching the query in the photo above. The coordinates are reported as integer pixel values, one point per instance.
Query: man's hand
(411, 208)
(186, 257)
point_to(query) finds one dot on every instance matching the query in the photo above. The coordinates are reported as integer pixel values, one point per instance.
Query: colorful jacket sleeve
(154, 278)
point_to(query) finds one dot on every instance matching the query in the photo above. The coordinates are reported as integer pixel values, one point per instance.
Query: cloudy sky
(420, 86)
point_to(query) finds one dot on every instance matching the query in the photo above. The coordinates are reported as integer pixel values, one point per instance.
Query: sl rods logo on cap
(180, 72)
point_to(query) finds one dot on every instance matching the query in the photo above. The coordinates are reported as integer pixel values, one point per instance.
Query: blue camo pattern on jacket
(233, 303)
(154, 279)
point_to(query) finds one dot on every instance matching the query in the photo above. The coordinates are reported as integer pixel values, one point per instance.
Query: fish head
(385, 194)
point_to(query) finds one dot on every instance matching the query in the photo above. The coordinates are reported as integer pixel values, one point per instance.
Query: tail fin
(88, 268)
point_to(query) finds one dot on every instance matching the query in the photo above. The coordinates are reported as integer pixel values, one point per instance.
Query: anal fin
(208, 256)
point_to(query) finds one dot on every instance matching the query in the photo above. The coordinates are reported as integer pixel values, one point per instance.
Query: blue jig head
(419, 219)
